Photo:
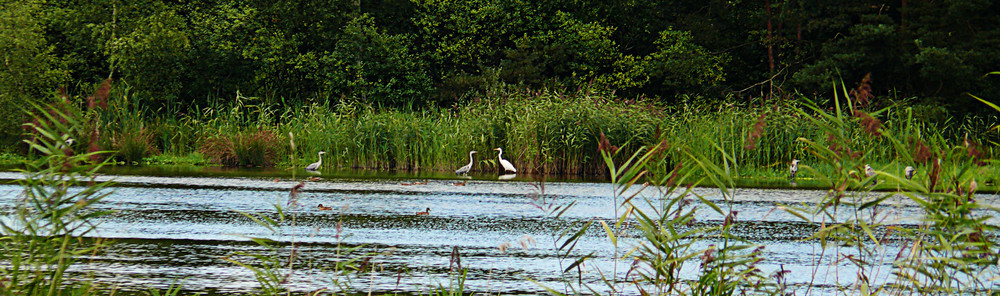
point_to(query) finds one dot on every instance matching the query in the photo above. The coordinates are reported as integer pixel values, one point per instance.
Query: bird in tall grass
(503, 162)
(908, 172)
(66, 141)
(465, 169)
(424, 213)
(794, 168)
(870, 172)
(315, 166)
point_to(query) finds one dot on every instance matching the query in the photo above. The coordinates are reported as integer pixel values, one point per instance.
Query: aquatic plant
(43, 236)
(951, 251)
(544, 131)
(132, 145)
(249, 148)
(948, 252)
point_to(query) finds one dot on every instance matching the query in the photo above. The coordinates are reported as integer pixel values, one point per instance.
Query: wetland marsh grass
(548, 131)
(951, 251)
(42, 239)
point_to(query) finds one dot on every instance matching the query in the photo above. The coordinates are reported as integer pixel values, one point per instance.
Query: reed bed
(549, 131)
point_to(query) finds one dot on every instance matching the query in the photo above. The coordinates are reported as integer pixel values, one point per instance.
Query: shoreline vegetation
(543, 132)
(693, 93)
(957, 228)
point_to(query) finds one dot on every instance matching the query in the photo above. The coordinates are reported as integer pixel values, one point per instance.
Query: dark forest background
(409, 54)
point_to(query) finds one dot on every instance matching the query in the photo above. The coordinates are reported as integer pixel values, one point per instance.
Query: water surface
(168, 229)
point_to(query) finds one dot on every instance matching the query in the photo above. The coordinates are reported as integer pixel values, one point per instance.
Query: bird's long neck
(500, 155)
(470, 158)
(320, 158)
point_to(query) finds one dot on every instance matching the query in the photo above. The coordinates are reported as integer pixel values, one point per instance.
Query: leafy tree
(152, 51)
(573, 52)
(372, 65)
(29, 67)
(281, 39)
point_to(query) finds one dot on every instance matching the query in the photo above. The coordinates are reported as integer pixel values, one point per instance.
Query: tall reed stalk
(952, 250)
(43, 237)
(550, 131)
(948, 252)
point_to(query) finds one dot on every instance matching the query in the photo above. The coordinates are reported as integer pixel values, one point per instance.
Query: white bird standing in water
(870, 172)
(315, 166)
(794, 168)
(908, 172)
(503, 162)
(465, 169)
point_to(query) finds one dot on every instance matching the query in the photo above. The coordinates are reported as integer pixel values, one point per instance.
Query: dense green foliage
(435, 52)
(409, 84)
(549, 131)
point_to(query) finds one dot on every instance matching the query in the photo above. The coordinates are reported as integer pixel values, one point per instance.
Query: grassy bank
(546, 131)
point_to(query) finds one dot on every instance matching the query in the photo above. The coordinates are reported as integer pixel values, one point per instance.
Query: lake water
(179, 229)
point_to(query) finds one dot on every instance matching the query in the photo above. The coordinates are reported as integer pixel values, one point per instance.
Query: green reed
(549, 131)
(951, 251)
(42, 237)
(948, 252)
(539, 132)
(668, 237)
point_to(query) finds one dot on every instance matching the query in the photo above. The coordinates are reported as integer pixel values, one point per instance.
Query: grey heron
(908, 172)
(794, 168)
(465, 169)
(870, 172)
(424, 213)
(503, 162)
(315, 166)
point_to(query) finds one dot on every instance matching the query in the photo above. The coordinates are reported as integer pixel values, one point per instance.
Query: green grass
(541, 131)
(11, 159)
(193, 158)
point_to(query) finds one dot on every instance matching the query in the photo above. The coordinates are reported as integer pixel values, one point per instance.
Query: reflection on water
(169, 227)
(215, 171)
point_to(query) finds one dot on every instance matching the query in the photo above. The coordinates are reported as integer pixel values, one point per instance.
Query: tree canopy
(412, 53)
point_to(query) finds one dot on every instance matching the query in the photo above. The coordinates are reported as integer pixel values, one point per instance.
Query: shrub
(258, 148)
(133, 145)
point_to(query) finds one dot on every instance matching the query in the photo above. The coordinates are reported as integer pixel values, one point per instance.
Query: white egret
(908, 172)
(465, 169)
(315, 166)
(503, 162)
(870, 172)
(794, 168)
